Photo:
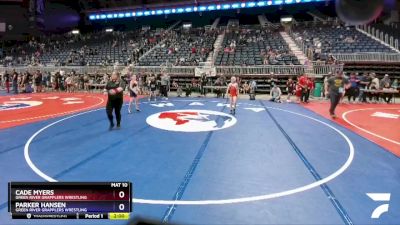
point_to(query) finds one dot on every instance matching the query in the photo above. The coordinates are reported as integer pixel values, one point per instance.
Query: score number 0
(121, 195)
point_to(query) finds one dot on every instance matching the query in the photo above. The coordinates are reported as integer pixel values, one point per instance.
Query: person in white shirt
(374, 86)
(374, 82)
(69, 82)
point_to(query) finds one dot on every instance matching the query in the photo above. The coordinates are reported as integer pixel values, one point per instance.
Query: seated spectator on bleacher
(349, 40)
(330, 60)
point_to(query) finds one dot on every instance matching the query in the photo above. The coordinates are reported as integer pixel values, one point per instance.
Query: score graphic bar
(70, 200)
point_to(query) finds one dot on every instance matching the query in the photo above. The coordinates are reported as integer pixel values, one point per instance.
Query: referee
(115, 100)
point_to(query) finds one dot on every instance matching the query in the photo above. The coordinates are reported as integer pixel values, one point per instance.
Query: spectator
(386, 85)
(46, 81)
(365, 80)
(310, 85)
(353, 90)
(188, 89)
(290, 88)
(374, 86)
(60, 81)
(38, 82)
(177, 87)
(15, 82)
(6, 78)
(164, 88)
(304, 84)
(246, 88)
(26, 85)
(385, 82)
(218, 89)
(253, 87)
(331, 60)
(326, 84)
(70, 83)
(202, 83)
(395, 84)
(275, 94)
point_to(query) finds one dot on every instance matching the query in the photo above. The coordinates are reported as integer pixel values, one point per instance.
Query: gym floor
(191, 162)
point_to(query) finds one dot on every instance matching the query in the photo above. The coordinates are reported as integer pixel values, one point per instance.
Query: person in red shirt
(303, 86)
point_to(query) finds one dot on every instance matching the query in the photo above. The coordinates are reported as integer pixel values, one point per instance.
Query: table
(222, 88)
(383, 91)
(215, 87)
(97, 86)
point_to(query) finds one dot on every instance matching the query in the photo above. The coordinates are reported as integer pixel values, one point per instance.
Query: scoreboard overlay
(70, 200)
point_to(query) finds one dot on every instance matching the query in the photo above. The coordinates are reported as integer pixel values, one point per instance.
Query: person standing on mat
(233, 91)
(115, 100)
(153, 87)
(303, 83)
(290, 88)
(335, 89)
(164, 87)
(133, 90)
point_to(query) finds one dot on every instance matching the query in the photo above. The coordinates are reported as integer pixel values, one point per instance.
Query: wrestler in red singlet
(233, 90)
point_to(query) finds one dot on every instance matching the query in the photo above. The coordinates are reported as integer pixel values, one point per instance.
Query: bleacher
(93, 49)
(392, 30)
(319, 15)
(250, 44)
(256, 54)
(338, 39)
(183, 47)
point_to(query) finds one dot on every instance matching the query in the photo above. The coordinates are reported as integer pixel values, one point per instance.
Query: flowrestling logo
(191, 120)
(381, 209)
(12, 105)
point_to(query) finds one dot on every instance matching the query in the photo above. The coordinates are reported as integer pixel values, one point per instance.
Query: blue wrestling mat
(191, 162)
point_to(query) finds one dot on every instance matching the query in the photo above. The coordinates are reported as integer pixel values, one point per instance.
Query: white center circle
(299, 189)
(191, 120)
